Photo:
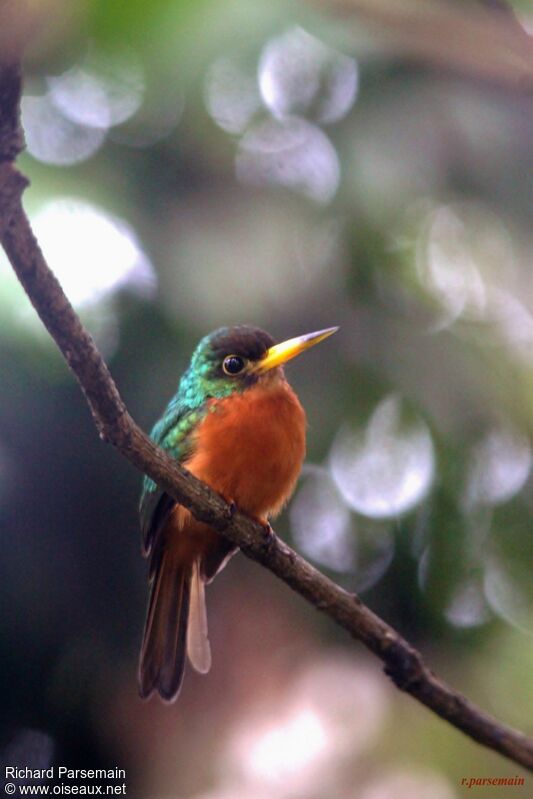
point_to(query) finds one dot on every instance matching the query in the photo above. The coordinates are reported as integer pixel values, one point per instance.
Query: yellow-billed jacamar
(237, 425)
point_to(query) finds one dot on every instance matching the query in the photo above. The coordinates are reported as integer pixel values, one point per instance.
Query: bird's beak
(281, 353)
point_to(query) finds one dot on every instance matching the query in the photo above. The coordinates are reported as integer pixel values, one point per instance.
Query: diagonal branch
(403, 663)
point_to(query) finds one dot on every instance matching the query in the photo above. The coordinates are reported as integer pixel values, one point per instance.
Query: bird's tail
(176, 626)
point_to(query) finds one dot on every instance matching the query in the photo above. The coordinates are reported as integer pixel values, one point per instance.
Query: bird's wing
(173, 434)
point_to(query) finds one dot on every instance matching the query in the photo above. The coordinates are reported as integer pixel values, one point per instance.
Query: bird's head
(232, 359)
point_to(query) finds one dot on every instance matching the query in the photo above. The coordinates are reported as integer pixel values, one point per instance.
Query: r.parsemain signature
(487, 782)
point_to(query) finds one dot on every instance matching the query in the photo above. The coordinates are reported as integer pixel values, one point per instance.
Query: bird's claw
(232, 510)
(268, 532)
(266, 529)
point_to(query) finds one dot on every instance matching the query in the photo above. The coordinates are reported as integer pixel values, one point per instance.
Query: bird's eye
(232, 365)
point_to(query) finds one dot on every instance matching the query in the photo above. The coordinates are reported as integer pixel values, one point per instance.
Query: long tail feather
(164, 646)
(198, 649)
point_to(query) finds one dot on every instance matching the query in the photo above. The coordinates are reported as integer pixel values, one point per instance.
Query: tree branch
(487, 44)
(403, 663)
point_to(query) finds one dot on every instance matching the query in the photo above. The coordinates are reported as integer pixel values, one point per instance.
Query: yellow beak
(281, 353)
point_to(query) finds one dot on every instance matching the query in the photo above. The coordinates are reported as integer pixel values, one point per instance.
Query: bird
(236, 424)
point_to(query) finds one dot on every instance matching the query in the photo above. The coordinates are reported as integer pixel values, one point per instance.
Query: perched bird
(236, 424)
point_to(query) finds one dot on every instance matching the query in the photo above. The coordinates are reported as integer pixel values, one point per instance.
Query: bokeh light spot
(293, 744)
(513, 322)
(293, 153)
(53, 139)
(499, 467)
(509, 590)
(100, 91)
(288, 748)
(321, 523)
(325, 530)
(91, 252)
(446, 267)
(466, 262)
(231, 94)
(388, 469)
(467, 606)
(344, 691)
(300, 75)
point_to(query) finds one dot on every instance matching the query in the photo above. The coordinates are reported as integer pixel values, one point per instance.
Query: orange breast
(250, 448)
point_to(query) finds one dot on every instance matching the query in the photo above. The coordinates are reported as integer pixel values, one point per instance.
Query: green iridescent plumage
(204, 380)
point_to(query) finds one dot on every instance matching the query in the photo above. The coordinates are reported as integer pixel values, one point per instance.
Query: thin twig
(403, 663)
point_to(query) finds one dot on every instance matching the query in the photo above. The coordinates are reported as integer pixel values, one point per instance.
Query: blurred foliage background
(201, 163)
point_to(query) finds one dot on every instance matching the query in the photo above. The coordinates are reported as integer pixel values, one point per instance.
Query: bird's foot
(268, 532)
(232, 509)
